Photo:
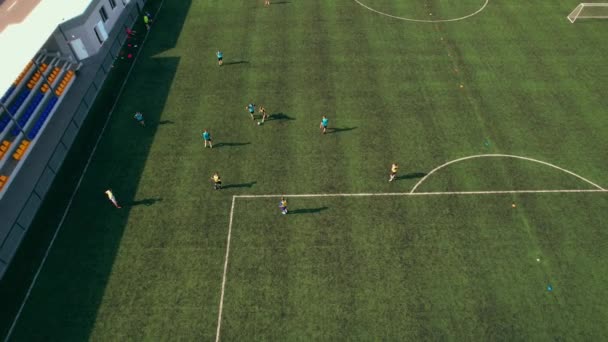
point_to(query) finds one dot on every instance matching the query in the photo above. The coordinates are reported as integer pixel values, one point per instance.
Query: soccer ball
(259, 123)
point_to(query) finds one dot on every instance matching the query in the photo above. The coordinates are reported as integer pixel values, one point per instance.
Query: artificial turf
(517, 78)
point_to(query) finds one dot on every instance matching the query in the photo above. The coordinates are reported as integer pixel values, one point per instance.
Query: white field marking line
(422, 20)
(84, 171)
(503, 156)
(437, 193)
(363, 194)
(219, 315)
(12, 5)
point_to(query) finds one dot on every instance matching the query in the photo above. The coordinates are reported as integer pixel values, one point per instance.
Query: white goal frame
(576, 13)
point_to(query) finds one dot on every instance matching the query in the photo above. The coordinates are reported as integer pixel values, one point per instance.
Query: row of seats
(42, 118)
(8, 93)
(17, 81)
(25, 117)
(3, 181)
(23, 73)
(14, 107)
(52, 77)
(32, 82)
(64, 82)
(4, 148)
(21, 149)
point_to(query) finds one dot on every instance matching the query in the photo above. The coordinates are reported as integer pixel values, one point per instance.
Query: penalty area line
(437, 193)
(365, 194)
(219, 315)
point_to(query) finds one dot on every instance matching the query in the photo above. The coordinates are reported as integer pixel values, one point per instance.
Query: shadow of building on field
(86, 249)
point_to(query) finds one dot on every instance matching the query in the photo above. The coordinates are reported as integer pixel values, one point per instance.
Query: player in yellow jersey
(217, 181)
(264, 114)
(394, 169)
(283, 205)
(266, 3)
(111, 197)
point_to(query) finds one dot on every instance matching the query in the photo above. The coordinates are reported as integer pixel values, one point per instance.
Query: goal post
(589, 10)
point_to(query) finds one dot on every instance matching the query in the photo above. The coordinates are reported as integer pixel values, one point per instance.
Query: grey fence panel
(90, 95)
(45, 181)
(29, 211)
(100, 76)
(58, 157)
(107, 63)
(115, 49)
(81, 114)
(70, 134)
(12, 242)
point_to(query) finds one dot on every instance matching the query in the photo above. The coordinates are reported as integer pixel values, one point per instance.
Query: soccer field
(495, 228)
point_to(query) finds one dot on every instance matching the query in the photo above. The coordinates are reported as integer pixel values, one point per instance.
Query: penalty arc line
(503, 156)
(423, 20)
(71, 200)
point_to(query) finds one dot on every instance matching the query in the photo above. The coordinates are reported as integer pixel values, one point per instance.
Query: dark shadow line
(146, 202)
(411, 175)
(279, 116)
(241, 185)
(236, 62)
(338, 129)
(308, 210)
(229, 144)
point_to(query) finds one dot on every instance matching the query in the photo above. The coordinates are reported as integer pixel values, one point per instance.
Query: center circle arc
(423, 20)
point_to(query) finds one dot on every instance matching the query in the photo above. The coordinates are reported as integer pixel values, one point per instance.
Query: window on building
(98, 36)
(100, 32)
(103, 13)
(112, 4)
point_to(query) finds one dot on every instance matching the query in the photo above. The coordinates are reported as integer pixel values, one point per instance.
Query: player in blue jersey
(139, 117)
(324, 123)
(207, 138)
(220, 57)
(251, 108)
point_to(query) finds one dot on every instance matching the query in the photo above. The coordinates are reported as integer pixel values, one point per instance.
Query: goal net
(588, 10)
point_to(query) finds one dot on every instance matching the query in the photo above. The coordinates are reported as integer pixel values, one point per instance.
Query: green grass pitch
(516, 78)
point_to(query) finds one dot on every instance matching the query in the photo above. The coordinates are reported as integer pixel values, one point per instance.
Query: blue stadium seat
(43, 116)
(25, 117)
(14, 107)
(8, 93)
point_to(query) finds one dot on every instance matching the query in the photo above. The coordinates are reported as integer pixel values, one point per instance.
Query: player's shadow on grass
(280, 2)
(166, 122)
(231, 144)
(279, 116)
(241, 185)
(340, 129)
(411, 175)
(238, 61)
(146, 202)
(308, 210)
